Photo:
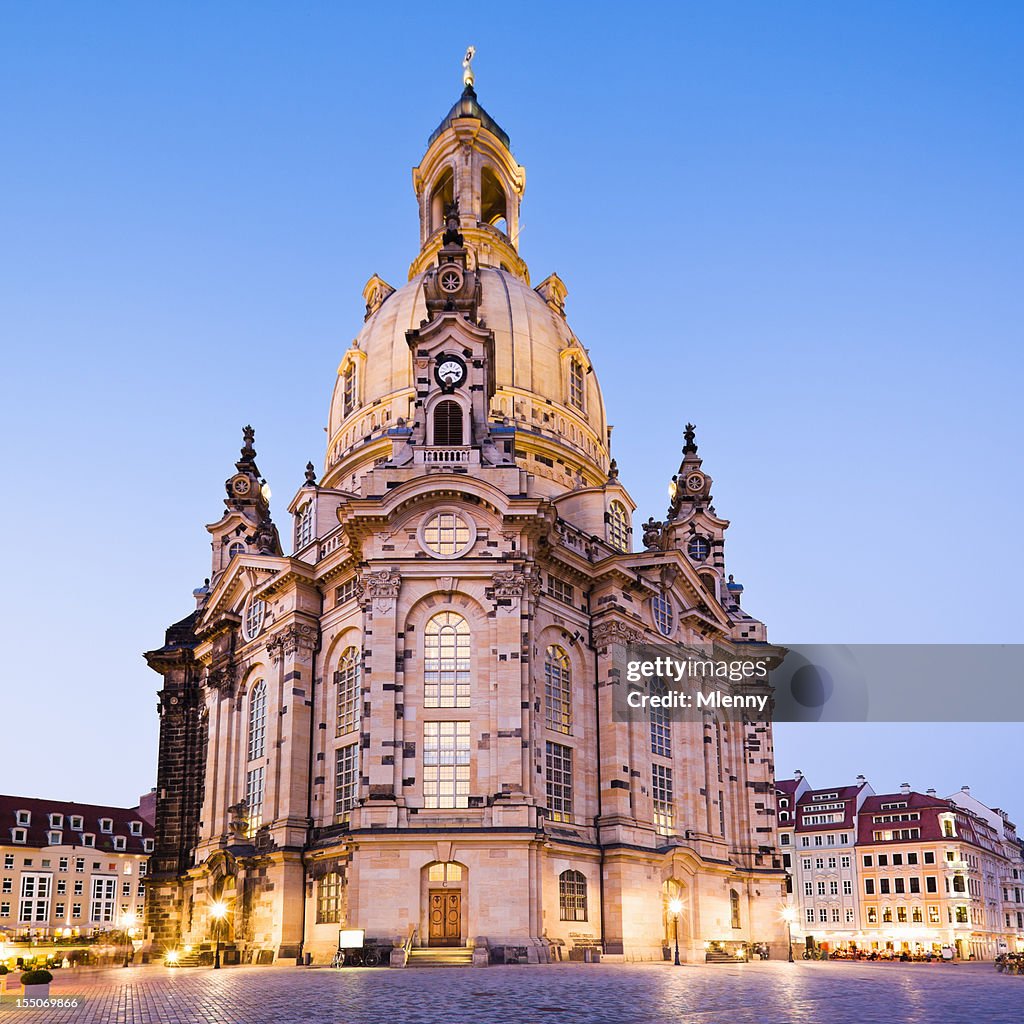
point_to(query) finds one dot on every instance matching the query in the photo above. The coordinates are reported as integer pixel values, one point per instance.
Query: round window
(254, 618)
(664, 615)
(451, 279)
(447, 535)
(698, 548)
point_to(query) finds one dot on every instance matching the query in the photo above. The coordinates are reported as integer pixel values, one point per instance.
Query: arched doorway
(444, 888)
(676, 910)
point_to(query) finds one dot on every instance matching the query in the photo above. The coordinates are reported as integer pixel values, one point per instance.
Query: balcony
(445, 456)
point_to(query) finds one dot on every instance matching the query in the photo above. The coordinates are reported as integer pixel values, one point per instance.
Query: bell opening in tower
(442, 197)
(448, 424)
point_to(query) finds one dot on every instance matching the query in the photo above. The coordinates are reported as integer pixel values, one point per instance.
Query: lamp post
(217, 912)
(129, 922)
(675, 908)
(788, 915)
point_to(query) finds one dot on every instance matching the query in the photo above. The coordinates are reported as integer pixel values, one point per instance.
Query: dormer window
(76, 823)
(23, 818)
(576, 383)
(19, 835)
(88, 839)
(147, 845)
(119, 843)
(56, 821)
(348, 389)
(106, 825)
(304, 525)
(55, 837)
(135, 827)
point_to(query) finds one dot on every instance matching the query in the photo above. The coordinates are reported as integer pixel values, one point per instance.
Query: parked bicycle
(355, 958)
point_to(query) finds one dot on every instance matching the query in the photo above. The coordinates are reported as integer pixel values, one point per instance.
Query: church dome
(544, 384)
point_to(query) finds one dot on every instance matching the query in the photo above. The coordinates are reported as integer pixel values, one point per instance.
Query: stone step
(441, 956)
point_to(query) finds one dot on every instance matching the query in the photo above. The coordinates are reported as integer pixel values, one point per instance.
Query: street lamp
(217, 912)
(789, 916)
(129, 922)
(675, 908)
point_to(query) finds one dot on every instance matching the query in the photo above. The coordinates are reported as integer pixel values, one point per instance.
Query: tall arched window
(257, 720)
(304, 525)
(256, 773)
(346, 682)
(572, 896)
(446, 647)
(557, 690)
(448, 423)
(618, 526)
(734, 907)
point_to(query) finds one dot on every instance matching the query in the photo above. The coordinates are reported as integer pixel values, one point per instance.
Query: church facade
(404, 724)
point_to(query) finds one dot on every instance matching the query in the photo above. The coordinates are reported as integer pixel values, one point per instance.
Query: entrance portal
(445, 917)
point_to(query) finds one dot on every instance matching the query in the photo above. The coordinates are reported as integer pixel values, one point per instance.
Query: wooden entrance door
(445, 917)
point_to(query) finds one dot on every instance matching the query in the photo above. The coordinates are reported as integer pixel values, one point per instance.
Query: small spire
(467, 67)
(310, 475)
(452, 237)
(613, 471)
(688, 436)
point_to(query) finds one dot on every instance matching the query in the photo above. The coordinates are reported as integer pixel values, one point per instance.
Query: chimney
(861, 781)
(798, 775)
(905, 788)
(965, 789)
(930, 792)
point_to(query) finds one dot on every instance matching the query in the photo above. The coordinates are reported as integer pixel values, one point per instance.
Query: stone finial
(468, 77)
(310, 475)
(452, 236)
(613, 471)
(248, 436)
(652, 534)
(376, 292)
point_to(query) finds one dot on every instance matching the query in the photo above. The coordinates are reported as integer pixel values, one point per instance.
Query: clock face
(450, 372)
(695, 481)
(240, 485)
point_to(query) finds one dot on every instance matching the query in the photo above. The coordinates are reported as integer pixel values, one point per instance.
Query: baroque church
(395, 714)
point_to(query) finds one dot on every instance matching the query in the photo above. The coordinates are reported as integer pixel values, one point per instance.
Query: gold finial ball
(467, 66)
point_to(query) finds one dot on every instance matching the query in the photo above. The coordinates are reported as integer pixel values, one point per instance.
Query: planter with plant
(36, 984)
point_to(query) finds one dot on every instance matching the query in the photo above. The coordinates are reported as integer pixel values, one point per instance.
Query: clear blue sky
(798, 225)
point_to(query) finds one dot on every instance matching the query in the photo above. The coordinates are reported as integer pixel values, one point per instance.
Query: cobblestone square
(766, 993)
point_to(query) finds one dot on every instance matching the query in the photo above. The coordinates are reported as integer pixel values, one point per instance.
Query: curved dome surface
(532, 347)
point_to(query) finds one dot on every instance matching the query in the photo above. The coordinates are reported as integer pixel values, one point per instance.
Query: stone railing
(434, 456)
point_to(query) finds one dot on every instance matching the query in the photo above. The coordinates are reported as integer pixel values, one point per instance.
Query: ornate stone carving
(652, 534)
(222, 679)
(607, 633)
(446, 583)
(294, 639)
(516, 584)
(381, 588)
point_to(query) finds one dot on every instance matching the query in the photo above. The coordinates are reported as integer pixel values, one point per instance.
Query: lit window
(257, 720)
(734, 908)
(698, 548)
(557, 690)
(572, 896)
(328, 899)
(444, 872)
(664, 616)
(576, 383)
(618, 526)
(661, 793)
(304, 525)
(446, 764)
(447, 534)
(34, 905)
(346, 780)
(558, 779)
(254, 614)
(446, 654)
(101, 909)
(346, 680)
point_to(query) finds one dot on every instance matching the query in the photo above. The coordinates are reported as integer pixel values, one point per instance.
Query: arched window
(348, 389)
(572, 896)
(734, 907)
(442, 196)
(493, 207)
(557, 690)
(698, 548)
(709, 580)
(618, 526)
(576, 386)
(448, 423)
(257, 720)
(958, 884)
(446, 647)
(254, 618)
(304, 525)
(662, 611)
(346, 682)
(238, 548)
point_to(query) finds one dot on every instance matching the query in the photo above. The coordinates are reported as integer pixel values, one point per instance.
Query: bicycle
(355, 958)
